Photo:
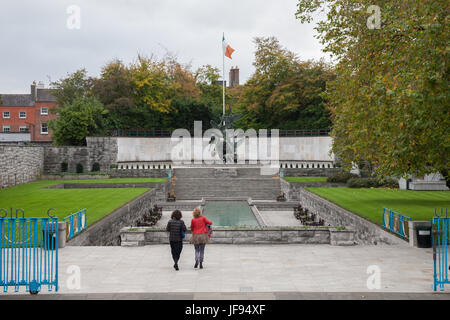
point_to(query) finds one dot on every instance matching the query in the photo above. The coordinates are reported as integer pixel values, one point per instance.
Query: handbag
(183, 235)
(208, 226)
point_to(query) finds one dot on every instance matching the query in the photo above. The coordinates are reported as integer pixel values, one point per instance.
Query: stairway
(198, 183)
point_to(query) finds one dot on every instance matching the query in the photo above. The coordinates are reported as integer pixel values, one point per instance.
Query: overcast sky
(36, 43)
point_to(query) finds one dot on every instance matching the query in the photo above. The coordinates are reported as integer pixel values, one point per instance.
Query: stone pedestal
(61, 234)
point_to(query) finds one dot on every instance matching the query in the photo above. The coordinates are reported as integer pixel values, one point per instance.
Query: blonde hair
(197, 212)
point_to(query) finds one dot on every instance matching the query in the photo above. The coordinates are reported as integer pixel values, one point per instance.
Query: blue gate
(75, 223)
(441, 237)
(29, 253)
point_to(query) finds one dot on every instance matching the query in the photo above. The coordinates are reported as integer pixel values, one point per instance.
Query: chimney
(234, 77)
(33, 91)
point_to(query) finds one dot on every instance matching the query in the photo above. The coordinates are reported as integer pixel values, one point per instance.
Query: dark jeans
(199, 252)
(176, 247)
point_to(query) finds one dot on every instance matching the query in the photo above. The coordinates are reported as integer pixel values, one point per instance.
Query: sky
(42, 40)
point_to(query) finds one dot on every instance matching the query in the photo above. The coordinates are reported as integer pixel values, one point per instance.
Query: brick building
(24, 117)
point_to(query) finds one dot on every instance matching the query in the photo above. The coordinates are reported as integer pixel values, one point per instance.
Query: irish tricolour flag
(227, 50)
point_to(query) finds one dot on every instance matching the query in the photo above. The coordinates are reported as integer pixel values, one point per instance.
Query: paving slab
(240, 270)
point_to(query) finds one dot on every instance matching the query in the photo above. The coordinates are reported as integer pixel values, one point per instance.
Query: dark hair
(176, 214)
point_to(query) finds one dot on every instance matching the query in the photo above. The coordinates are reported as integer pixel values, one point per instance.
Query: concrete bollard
(61, 234)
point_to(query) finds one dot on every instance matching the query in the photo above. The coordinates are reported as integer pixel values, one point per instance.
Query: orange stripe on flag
(229, 51)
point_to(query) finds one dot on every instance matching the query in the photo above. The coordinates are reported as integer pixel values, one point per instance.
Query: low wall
(138, 173)
(103, 185)
(20, 164)
(310, 172)
(366, 232)
(106, 232)
(74, 177)
(139, 236)
(102, 150)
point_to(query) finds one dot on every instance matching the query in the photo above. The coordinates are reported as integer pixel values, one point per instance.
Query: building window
(44, 128)
(23, 129)
(6, 115)
(22, 115)
(6, 129)
(44, 111)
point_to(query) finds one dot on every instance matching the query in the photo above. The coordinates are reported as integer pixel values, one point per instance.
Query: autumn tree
(390, 99)
(284, 92)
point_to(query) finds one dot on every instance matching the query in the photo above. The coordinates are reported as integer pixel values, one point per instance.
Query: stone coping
(139, 236)
(313, 184)
(245, 228)
(104, 185)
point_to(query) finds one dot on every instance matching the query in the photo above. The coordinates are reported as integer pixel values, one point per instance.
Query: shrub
(388, 183)
(79, 168)
(341, 176)
(113, 166)
(64, 166)
(362, 183)
(96, 166)
(372, 183)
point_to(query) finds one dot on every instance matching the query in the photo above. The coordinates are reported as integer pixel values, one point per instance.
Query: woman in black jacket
(174, 227)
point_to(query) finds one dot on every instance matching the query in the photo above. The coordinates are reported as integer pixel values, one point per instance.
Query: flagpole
(223, 75)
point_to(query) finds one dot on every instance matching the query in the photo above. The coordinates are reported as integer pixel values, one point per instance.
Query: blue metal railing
(75, 223)
(441, 238)
(396, 222)
(29, 253)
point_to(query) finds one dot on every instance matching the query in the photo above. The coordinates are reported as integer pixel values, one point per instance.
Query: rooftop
(28, 99)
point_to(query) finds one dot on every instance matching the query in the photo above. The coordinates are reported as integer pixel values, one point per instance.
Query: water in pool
(229, 213)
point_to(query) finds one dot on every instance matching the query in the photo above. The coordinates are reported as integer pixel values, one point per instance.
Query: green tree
(84, 117)
(188, 110)
(114, 89)
(67, 90)
(390, 99)
(207, 78)
(284, 92)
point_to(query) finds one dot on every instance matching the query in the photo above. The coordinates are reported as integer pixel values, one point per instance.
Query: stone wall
(54, 156)
(102, 150)
(257, 235)
(106, 232)
(366, 232)
(99, 149)
(137, 173)
(156, 149)
(310, 172)
(20, 164)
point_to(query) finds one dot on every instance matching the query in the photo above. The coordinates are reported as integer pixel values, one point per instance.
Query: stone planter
(139, 236)
(344, 237)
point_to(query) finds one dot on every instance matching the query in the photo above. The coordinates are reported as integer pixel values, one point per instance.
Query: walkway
(265, 271)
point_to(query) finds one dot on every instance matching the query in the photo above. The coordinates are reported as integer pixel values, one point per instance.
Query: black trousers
(176, 247)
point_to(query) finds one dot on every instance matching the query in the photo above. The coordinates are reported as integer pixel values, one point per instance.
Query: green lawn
(306, 179)
(369, 203)
(36, 201)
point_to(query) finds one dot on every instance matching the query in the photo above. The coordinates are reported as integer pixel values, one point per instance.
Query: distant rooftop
(38, 94)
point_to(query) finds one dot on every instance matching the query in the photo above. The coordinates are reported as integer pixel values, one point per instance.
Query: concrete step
(222, 173)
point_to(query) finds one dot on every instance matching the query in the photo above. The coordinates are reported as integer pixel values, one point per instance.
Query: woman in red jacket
(199, 235)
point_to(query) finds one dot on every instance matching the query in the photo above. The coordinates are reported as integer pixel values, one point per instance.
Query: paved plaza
(245, 271)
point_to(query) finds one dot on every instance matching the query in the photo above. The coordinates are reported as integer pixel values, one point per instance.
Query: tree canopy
(284, 92)
(390, 98)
